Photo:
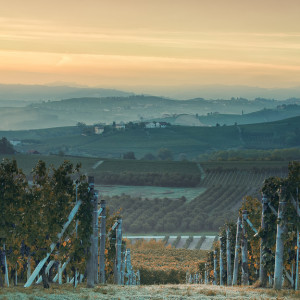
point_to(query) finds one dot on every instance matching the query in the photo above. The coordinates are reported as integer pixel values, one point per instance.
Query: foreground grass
(182, 291)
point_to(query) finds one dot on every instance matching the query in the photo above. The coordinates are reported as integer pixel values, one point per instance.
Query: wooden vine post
(236, 253)
(245, 272)
(102, 241)
(96, 236)
(281, 229)
(205, 274)
(5, 267)
(118, 277)
(215, 268)
(128, 267)
(123, 266)
(297, 251)
(221, 263)
(91, 266)
(263, 278)
(228, 256)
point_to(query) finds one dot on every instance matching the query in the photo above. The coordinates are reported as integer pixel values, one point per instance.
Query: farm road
(182, 242)
(97, 164)
(208, 242)
(194, 243)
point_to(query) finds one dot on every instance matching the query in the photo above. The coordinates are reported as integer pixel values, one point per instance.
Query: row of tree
(32, 216)
(6, 147)
(252, 155)
(265, 240)
(162, 154)
(150, 179)
(171, 215)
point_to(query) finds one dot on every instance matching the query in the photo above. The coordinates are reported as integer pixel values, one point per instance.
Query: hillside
(37, 93)
(225, 184)
(181, 140)
(211, 119)
(90, 110)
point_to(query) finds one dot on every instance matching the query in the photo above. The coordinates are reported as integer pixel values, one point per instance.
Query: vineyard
(55, 230)
(225, 185)
(222, 187)
(262, 248)
(160, 264)
(121, 171)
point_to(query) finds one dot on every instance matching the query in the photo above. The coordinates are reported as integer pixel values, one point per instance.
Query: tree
(148, 156)
(32, 216)
(6, 147)
(81, 124)
(165, 154)
(129, 155)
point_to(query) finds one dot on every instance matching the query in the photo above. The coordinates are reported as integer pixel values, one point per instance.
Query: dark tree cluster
(150, 179)
(6, 147)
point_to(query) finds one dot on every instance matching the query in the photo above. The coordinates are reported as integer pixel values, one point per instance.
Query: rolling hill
(181, 140)
(91, 110)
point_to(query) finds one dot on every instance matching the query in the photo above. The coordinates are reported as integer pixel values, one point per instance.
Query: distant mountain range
(224, 92)
(10, 93)
(65, 90)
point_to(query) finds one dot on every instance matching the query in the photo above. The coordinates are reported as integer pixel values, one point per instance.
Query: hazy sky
(139, 43)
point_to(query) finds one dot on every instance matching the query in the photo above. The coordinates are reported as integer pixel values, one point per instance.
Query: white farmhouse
(99, 129)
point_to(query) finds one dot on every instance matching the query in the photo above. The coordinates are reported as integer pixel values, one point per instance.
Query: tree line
(32, 215)
(262, 246)
(149, 179)
(252, 155)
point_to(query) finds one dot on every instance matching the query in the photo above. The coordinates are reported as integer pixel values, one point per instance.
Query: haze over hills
(211, 119)
(91, 110)
(217, 91)
(16, 93)
(64, 90)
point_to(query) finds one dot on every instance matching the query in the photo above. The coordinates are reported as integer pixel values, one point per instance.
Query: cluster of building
(99, 128)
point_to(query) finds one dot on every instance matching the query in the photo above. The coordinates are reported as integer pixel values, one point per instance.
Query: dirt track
(183, 291)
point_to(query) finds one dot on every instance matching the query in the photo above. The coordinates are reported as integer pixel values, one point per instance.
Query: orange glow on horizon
(142, 43)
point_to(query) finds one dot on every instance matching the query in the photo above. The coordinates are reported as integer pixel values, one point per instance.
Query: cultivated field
(219, 193)
(225, 184)
(190, 141)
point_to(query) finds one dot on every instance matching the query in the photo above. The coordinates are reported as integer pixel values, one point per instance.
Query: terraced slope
(225, 185)
(228, 182)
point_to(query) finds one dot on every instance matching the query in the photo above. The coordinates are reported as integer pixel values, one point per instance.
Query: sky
(139, 44)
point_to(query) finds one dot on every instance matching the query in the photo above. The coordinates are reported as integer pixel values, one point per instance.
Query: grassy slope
(179, 139)
(27, 162)
(169, 291)
(137, 166)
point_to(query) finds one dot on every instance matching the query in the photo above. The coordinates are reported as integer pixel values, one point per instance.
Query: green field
(181, 140)
(121, 165)
(243, 165)
(114, 167)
